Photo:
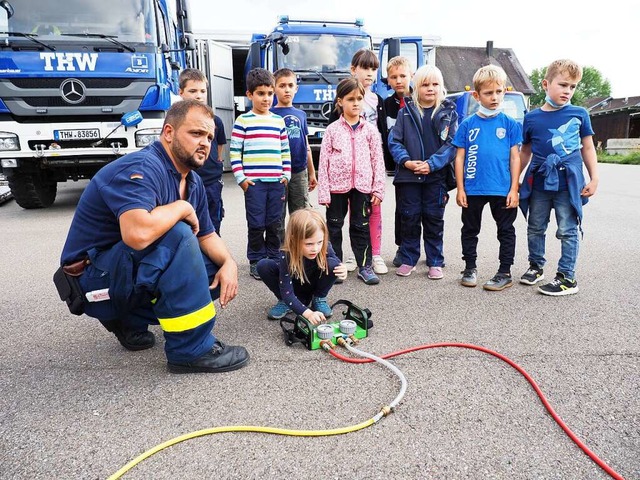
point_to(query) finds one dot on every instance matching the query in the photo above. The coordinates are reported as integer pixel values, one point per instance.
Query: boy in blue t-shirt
(487, 171)
(193, 85)
(557, 139)
(303, 173)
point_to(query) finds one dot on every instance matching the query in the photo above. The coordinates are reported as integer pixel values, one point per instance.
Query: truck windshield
(128, 21)
(321, 53)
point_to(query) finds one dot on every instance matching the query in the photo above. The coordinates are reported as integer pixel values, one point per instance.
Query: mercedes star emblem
(73, 91)
(326, 109)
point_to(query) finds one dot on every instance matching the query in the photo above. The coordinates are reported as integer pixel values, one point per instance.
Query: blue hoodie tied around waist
(548, 168)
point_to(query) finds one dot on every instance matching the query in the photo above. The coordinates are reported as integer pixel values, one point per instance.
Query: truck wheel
(32, 191)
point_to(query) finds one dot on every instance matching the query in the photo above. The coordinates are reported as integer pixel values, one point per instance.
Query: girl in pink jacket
(351, 175)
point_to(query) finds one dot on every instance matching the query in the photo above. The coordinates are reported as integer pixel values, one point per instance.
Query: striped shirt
(259, 148)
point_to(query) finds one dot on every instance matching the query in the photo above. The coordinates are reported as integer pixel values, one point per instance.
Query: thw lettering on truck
(67, 62)
(325, 94)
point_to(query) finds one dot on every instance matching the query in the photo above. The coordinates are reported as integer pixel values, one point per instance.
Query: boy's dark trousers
(359, 206)
(263, 203)
(472, 220)
(214, 200)
(318, 285)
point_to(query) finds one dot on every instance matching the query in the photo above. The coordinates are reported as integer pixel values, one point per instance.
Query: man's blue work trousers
(166, 283)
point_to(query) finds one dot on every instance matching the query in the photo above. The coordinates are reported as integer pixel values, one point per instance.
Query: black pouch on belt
(69, 290)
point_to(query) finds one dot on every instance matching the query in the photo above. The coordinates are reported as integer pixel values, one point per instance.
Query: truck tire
(32, 191)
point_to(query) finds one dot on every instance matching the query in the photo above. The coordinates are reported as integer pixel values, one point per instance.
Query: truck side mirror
(187, 42)
(255, 60)
(8, 7)
(394, 48)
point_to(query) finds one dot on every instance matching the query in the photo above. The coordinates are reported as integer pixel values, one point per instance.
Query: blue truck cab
(70, 71)
(319, 52)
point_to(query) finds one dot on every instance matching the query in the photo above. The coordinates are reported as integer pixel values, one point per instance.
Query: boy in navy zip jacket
(420, 143)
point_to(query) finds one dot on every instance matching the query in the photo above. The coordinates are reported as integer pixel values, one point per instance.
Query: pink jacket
(350, 159)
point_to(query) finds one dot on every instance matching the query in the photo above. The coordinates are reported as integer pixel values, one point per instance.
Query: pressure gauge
(324, 331)
(348, 327)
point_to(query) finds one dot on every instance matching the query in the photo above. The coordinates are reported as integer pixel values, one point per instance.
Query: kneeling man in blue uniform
(142, 250)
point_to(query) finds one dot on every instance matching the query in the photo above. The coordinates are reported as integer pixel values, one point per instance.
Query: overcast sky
(539, 31)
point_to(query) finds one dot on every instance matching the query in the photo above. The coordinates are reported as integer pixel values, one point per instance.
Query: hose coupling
(327, 345)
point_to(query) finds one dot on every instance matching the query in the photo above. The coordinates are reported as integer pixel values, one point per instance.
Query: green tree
(593, 84)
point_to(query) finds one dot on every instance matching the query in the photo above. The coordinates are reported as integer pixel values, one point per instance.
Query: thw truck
(83, 82)
(319, 53)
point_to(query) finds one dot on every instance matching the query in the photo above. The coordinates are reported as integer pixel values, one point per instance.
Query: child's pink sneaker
(435, 273)
(405, 270)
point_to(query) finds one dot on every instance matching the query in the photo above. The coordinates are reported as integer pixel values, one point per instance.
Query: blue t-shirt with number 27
(487, 143)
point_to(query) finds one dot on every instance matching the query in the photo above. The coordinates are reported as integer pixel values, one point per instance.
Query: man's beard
(182, 156)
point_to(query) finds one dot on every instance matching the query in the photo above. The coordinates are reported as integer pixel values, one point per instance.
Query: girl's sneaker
(379, 266)
(320, 304)
(405, 270)
(367, 275)
(278, 311)
(351, 264)
(435, 273)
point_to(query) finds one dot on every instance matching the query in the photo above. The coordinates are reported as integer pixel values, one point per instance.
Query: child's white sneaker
(378, 264)
(351, 264)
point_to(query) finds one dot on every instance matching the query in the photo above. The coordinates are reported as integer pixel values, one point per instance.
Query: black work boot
(221, 358)
(132, 340)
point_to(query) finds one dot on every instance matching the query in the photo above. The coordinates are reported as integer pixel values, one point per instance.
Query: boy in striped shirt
(261, 163)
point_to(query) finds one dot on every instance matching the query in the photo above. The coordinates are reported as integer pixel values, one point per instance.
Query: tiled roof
(458, 64)
(611, 105)
(594, 101)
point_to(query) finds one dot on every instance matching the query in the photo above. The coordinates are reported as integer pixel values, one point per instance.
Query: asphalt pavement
(75, 404)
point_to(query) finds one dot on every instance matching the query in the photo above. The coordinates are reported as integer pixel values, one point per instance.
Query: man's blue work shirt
(146, 179)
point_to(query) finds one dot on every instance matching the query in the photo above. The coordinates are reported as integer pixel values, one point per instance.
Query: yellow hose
(244, 428)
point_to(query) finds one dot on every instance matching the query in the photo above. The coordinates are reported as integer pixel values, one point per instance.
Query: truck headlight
(9, 141)
(147, 136)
